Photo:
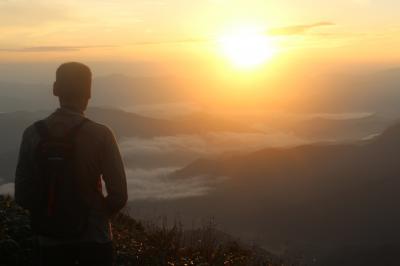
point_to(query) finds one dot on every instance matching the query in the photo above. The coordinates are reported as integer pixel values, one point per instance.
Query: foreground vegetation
(137, 243)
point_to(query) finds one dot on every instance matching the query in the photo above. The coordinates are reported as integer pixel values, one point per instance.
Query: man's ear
(55, 89)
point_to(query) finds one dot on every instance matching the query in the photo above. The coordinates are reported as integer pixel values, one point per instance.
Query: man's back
(96, 157)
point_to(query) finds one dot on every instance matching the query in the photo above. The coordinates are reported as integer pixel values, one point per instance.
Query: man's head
(73, 85)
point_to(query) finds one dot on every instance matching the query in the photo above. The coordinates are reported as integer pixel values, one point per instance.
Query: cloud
(298, 29)
(180, 150)
(150, 161)
(154, 184)
(178, 41)
(40, 49)
(144, 184)
(211, 143)
(7, 189)
(165, 110)
(290, 30)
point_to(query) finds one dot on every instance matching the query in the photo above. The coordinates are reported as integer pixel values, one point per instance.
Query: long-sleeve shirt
(98, 160)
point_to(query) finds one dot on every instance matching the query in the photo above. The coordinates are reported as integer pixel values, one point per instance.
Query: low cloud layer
(154, 184)
(207, 144)
(180, 150)
(150, 161)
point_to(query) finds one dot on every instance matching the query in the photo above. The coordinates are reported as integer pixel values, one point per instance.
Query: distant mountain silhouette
(113, 90)
(341, 129)
(22, 96)
(123, 90)
(321, 195)
(348, 92)
(129, 124)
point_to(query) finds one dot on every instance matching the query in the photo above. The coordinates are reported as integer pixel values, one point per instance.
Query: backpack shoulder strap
(42, 129)
(44, 132)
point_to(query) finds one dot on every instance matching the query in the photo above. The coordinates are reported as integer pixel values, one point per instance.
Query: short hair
(73, 79)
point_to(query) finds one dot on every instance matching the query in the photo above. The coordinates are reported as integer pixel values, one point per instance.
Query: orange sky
(167, 29)
(183, 37)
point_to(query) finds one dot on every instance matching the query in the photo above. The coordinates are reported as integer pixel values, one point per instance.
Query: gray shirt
(98, 160)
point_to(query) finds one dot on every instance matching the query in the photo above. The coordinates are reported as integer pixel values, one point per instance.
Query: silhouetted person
(62, 162)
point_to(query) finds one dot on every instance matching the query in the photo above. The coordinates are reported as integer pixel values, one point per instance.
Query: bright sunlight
(247, 48)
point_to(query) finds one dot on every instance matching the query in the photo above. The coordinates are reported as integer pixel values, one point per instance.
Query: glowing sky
(162, 29)
(181, 38)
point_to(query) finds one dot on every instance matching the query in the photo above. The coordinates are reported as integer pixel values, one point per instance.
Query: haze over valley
(278, 121)
(305, 180)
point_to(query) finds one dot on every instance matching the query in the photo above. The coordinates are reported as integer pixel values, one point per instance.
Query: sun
(247, 48)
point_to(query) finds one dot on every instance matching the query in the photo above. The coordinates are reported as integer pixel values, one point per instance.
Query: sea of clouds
(150, 162)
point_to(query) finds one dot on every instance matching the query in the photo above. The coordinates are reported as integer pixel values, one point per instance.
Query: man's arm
(113, 175)
(24, 186)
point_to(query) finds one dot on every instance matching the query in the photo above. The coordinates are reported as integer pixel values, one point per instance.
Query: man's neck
(72, 108)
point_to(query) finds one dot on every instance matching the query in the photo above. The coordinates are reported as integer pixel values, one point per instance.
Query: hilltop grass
(137, 243)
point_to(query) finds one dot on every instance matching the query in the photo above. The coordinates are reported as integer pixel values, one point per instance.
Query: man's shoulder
(93, 128)
(99, 128)
(30, 130)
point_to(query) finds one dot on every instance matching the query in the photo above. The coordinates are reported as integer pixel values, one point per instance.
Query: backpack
(59, 210)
